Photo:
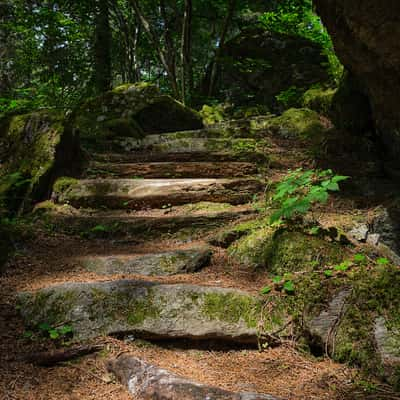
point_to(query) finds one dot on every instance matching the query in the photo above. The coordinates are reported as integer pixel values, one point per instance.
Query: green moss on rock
(319, 99)
(231, 307)
(297, 251)
(297, 123)
(132, 110)
(38, 147)
(63, 184)
(253, 249)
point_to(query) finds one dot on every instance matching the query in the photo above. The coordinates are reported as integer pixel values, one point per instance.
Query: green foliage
(290, 97)
(296, 17)
(55, 333)
(300, 190)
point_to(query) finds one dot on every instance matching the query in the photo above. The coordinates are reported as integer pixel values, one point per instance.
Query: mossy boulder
(133, 110)
(256, 66)
(319, 99)
(253, 249)
(283, 251)
(36, 148)
(151, 310)
(295, 123)
(365, 328)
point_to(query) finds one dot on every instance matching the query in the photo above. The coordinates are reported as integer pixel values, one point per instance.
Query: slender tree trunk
(186, 53)
(224, 32)
(102, 48)
(161, 52)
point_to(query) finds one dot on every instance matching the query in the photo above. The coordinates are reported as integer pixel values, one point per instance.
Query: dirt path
(53, 257)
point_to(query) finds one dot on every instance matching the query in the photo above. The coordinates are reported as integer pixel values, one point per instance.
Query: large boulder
(35, 149)
(258, 65)
(366, 36)
(133, 110)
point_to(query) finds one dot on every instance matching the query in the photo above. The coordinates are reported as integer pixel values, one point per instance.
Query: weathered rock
(151, 310)
(387, 345)
(174, 169)
(150, 382)
(387, 225)
(167, 263)
(148, 193)
(133, 110)
(35, 149)
(257, 65)
(322, 327)
(236, 148)
(366, 37)
(359, 232)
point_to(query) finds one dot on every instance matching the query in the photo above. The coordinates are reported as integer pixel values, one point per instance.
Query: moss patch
(297, 123)
(252, 249)
(232, 308)
(319, 99)
(297, 251)
(63, 184)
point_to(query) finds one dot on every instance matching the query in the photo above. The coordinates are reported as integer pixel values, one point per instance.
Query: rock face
(150, 310)
(257, 65)
(35, 149)
(366, 36)
(133, 110)
(161, 264)
(150, 382)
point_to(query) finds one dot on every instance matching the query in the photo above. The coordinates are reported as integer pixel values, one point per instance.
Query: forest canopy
(55, 53)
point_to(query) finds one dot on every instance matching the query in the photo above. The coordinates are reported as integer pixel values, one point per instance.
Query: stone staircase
(163, 184)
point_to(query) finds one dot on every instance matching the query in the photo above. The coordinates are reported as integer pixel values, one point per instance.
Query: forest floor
(49, 258)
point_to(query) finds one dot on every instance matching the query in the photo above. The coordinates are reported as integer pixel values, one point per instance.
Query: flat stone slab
(154, 193)
(149, 382)
(187, 142)
(189, 169)
(120, 223)
(147, 309)
(159, 264)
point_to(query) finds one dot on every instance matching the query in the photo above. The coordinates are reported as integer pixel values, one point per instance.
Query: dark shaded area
(366, 36)
(257, 65)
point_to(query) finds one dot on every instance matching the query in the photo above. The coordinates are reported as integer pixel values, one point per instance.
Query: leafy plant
(55, 333)
(382, 261)
(300, 190)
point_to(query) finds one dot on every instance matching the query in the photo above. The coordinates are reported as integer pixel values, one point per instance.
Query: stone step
(150, 310)
(158, 264)
(154, 193)
(142, 378)
(160, 147)
(172, 169)
(188, 221)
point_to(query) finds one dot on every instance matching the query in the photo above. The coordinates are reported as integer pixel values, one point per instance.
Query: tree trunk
(102, 48)
(161, 52)
(186, 53)
(224, 32)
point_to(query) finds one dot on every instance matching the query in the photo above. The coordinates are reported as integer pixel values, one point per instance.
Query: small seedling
(288, 287)
(382, 261)
(344, 266)
(277, 279)
(359, 258)
(328, 273)
(265, 290)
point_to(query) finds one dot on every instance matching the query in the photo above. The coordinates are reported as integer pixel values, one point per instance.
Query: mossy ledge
(151, 310)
